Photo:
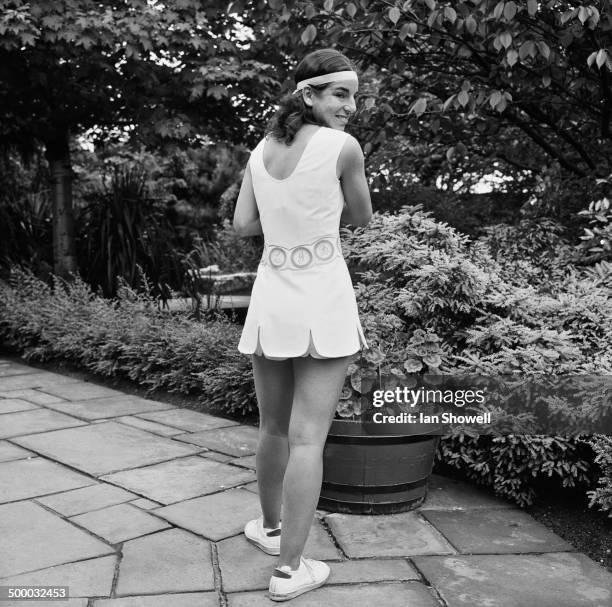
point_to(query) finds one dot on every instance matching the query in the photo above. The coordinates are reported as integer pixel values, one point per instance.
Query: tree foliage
(514, 85)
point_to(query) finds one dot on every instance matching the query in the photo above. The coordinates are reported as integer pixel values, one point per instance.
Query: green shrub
(126, 337)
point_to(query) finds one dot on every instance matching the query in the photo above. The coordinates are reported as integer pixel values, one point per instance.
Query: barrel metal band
(321, 251)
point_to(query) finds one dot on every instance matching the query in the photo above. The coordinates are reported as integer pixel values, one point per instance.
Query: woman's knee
(273, 427)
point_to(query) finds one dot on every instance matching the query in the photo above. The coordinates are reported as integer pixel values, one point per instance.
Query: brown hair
(292, 112)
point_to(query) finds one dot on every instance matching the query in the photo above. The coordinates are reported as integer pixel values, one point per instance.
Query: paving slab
(495, 531)
(87, 499)
(80, 390)
(411, 594)
(109, 406)
(93, 577)
(8, 369)
(145, 504)
(193, 599)
(245, 462)
(10, 452)
(168, 561)
(38, 379)
(243, 566)
(319, 544)
(25, 478)
(217, 457)
(119, 523)
(180, 479)
(12, 405)
(105, 447)
(149, 426)
(38, 420)
(215, 517)
(546, 580)
(33, 538)
(37, 397)
(253, 487)
(405, 534)
(449, 494)
(188, 420)
(236, 441)
(372, 570)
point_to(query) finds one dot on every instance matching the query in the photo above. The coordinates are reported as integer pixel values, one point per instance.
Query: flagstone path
(134, 503)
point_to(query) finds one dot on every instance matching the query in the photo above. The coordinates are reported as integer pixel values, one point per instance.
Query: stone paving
(135, 503)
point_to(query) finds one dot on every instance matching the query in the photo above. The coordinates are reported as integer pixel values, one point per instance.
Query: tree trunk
(58, 157)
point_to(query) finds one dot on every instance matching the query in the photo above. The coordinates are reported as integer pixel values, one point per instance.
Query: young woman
(302, 325)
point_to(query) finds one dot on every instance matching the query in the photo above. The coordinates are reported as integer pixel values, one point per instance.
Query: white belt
(322, 250)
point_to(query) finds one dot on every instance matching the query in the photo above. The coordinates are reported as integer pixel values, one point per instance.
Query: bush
(126, 337)
(602, 445)
(421, 284)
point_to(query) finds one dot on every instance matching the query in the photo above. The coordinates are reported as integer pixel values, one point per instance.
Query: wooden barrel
(377, 468)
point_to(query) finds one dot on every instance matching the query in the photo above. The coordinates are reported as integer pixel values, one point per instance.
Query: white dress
(303, 302)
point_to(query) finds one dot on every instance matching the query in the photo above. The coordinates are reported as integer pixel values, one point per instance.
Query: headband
(325, 78)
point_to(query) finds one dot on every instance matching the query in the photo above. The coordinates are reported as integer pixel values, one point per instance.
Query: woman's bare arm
(358, 208)
(246, 215)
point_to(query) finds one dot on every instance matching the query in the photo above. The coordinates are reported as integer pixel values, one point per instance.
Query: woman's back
(297, 190)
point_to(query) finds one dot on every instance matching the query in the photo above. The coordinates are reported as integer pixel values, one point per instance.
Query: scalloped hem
(311, 350)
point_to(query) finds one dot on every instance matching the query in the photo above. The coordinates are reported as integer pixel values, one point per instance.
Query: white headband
(325, 78)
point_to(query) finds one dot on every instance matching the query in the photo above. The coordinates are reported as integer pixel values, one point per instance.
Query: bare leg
(274, 388)
(316, 391)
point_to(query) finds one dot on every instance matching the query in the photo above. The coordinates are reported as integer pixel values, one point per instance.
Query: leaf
(601, 57)
(527, 48)
(463, 98)
(506, 39)
(544, 49)
(546, 80)
(309, 34)
(498, 10)
(413, 365)
(450, 14)
(495, 98)
(419, 107)
(431, 5)
(275, 4)
(310, 11)
(351, 9)
(470, 24)
(511, 57)
(408, 29)
(509, 10)
(394, 14)
(532, 7)
(328, 5)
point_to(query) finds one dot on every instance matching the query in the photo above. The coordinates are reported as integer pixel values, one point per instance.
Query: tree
(155, 71)
(515, 84)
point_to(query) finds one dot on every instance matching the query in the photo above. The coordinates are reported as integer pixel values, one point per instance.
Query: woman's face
(334, 105)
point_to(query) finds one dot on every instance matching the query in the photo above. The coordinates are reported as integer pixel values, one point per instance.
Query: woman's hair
(292, 112)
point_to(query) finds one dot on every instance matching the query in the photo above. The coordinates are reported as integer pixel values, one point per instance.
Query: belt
(321, 251)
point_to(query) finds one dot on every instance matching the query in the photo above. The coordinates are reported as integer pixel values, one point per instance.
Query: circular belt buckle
(277, 257)
(324, 249)
(301, 257)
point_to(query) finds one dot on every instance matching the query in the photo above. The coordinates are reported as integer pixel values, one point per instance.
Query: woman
(302, 325)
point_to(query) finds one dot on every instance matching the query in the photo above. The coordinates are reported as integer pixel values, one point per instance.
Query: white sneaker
(267, 540)
(287, 583)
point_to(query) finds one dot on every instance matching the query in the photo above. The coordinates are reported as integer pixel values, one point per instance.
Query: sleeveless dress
(302, 302)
